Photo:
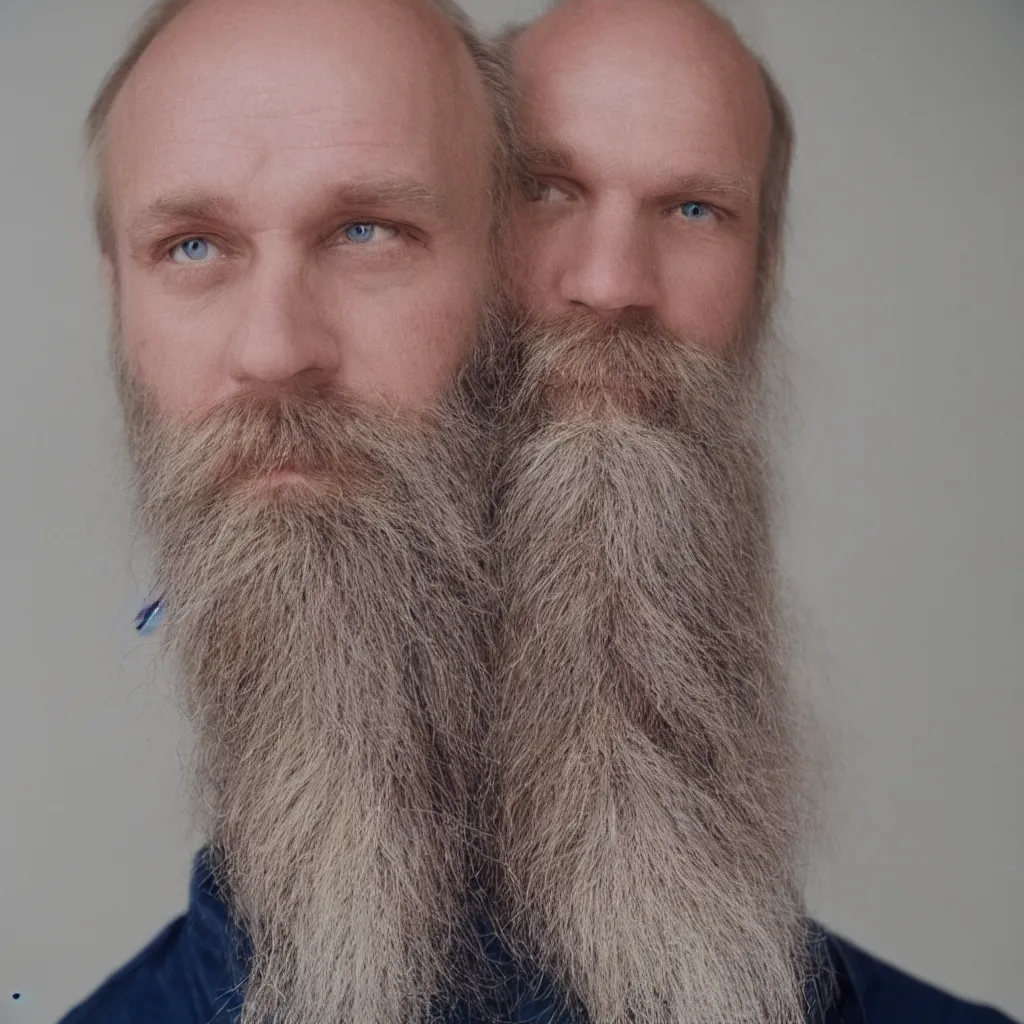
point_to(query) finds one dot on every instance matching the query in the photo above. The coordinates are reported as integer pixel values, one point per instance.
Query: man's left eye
(537, 190)
(695, 211)
(363, 231)
(194, 250)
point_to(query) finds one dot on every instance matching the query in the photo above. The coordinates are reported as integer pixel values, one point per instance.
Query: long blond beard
(652, 802)
(330, 633)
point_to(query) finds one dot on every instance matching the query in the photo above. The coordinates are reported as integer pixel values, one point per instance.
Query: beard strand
(652, 802)
(331, 632)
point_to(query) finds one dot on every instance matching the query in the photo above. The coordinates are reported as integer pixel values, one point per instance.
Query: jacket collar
(219, 950)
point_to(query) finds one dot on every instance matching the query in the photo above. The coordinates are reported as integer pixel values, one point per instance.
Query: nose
(279, 335)
(610, 265)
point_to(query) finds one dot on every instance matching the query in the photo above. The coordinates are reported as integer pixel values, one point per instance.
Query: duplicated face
(646, 130)
(290, 203)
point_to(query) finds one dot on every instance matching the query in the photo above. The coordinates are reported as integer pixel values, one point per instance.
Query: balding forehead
(412, 30)
(684, 30)
(479, 87)
(252, 100)
(626, 56)
(358, 61)
(397, 42)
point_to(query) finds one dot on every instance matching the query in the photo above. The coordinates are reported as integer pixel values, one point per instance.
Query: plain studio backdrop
(906, 305)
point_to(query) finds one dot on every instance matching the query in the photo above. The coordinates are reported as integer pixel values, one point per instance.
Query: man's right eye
(538, 190)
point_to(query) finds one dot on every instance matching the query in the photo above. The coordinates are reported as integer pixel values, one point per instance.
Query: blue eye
(193, 250)
(361, 232)
(695, 211)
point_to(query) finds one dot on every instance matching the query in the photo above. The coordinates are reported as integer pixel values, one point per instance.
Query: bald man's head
(252, 128)
(655, 789)
(297, 214)
(657, 148)
(487, 70)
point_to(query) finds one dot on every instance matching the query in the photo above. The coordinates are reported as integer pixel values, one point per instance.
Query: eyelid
(337, 236)
(167, 248)
(386, 225)
(717, 212)
(552, 181)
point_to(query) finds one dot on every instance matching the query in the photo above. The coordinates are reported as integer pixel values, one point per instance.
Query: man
(296, 205)
(297, 242)
(655, 772)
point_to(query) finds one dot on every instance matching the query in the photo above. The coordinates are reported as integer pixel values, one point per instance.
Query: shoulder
(191, 973)
(157, 986)
(886, 995)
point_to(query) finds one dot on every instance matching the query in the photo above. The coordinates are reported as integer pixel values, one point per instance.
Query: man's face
(300, 205)
(290, 204)
(645, 134)
(654, 793)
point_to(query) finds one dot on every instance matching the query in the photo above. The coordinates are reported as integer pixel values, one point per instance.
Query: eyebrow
(546, 156)
(725, 185)
(397, 192)
(192, 206)
(174, 208)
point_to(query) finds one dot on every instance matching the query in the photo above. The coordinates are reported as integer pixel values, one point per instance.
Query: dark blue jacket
(192, 973)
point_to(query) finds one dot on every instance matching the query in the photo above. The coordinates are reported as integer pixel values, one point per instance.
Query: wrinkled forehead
(668, 78)
(271, 80)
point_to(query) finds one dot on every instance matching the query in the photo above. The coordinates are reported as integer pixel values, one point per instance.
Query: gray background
(906, 278)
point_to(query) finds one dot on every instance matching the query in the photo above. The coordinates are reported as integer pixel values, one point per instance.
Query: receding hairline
(485, 62)
(775, 177)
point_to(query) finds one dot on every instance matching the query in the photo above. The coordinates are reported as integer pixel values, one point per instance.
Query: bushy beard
(330, 630)
(652, 800)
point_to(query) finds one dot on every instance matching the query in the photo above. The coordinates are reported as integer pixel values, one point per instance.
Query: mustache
(583, 365)
(315, 431)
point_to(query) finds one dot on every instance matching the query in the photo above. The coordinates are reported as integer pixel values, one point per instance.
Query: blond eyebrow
(546, 156)
(192, 206)
(556, 158)
(724, 185)
(177, 207)
(397, 192)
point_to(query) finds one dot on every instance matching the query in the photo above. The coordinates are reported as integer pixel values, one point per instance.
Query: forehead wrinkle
(269, 164)
(658, 151)
(315, 128)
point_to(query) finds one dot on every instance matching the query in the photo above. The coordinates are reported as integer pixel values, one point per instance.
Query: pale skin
(646, 129)
(291, 204)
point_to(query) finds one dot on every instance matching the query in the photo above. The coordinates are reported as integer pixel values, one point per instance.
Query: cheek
(167, 349)
(408, 340)
(438, 325)
(708, 292)
(533, 251)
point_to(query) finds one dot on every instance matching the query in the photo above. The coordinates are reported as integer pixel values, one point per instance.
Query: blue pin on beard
(149, 619)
